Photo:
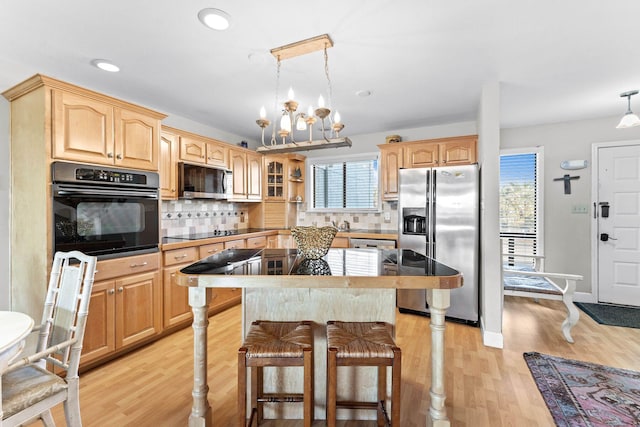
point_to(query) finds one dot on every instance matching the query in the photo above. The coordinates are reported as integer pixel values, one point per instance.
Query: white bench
(539, 284)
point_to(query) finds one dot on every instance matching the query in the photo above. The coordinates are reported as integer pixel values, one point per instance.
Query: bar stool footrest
(347, 404)
(281, 398)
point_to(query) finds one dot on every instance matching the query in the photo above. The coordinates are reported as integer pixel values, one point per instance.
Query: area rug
(581, 394)
(612, 315)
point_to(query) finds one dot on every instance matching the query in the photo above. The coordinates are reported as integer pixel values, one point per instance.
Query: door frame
(595, 281)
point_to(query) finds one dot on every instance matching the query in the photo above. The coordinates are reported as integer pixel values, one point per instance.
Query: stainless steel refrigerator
(438, 215)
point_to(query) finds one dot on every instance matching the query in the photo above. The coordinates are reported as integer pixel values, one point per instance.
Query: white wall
(490, 270)
(5, 249)
(567, 236)
(188, 125)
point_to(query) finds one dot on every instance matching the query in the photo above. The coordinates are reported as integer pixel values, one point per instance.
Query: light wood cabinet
(274, 178)
(53, 120)
(176, 308)
(235, 244)
(198, 149)
(177, 311)
(86, 129)
(256, 242)
(283, 178)
(419, 154)
(128, 306)
(254, 176)
(210, 249)
(247, 174)
(422, 155)
(168, 165)
(238, 165)
(272, 242)
(340, 242)
(391, 160)
(461, 151)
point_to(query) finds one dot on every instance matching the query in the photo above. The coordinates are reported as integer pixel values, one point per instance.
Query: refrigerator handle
(432, 214)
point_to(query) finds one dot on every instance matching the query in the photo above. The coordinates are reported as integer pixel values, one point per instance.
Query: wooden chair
(274, 344)
(29, 391)
(525, 276)
(364, 344)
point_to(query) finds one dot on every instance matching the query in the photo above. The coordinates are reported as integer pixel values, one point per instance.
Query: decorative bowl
(313, 242)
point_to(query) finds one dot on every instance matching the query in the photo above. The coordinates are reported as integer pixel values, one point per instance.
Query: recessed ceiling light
(363, 93)
(105, 65)
(215, 19)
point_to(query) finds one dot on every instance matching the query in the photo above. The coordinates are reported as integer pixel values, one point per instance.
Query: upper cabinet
(198, 149)
(246, 166)
(93, 130)
(168, 164)
(283, 178)
(420, 154)
(391, 159)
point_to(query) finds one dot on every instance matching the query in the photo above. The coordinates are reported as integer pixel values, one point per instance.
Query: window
(344, 184)
(521, 201)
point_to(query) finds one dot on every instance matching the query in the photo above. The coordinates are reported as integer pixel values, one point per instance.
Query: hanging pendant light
(629, 119)
(291, 120)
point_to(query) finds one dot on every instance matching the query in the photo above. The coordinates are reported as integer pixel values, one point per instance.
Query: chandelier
(283, 140)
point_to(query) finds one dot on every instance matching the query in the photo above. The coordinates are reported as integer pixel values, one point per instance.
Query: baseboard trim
(491, 339)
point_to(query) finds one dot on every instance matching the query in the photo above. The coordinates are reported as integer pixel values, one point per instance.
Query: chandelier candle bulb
(263, 113)
(285, 123)
(300, 123)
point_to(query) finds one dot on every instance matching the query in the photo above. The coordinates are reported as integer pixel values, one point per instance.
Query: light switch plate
(387, 216)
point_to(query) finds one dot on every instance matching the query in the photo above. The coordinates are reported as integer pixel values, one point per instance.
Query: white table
(14, 327)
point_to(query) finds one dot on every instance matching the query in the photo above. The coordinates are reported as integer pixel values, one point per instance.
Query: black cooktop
(208, 235)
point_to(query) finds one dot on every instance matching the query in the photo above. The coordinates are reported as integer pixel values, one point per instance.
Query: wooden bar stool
(274, 344)
(363, 344)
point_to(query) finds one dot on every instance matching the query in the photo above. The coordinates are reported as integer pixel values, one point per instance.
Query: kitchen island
(342, 271)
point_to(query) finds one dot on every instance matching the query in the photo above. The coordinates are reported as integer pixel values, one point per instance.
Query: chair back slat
(64, 316)
(67, 303)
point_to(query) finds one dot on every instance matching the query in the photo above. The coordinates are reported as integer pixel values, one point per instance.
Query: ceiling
(424, 61)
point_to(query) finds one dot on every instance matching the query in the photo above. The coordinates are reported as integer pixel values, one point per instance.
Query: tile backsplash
(180, 217)
(183, 216)
(387, 219)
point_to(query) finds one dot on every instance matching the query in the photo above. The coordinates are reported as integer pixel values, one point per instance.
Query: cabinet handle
(138, 265)
(111, 291)
(110, 155)
(120, 289)
(212, 251)
(177, 257)
(119, 157)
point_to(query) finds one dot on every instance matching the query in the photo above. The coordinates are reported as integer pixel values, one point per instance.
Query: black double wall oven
(106, 212)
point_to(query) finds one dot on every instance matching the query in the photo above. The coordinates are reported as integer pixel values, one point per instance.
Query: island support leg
(439, 301)
(201, 415)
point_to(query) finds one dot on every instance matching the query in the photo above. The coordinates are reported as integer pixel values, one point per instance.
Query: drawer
(212, 249)
(257, 242)
(180, 256)
(125, 266)
(235, 244)
(340, 242)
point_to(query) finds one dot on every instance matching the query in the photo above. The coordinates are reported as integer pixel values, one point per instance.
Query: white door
(618, 250)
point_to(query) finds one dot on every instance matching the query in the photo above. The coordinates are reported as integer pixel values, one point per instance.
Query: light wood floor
(485, 386)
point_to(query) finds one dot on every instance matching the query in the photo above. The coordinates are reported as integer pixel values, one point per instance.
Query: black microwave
(204, 182)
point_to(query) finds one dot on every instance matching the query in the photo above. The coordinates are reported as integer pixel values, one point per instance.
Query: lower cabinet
(125, 308)
(176, 298)
(177, 311)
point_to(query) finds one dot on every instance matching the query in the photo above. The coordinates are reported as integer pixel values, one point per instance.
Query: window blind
(519, 212)
(346, 185)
